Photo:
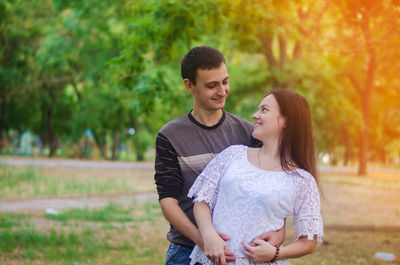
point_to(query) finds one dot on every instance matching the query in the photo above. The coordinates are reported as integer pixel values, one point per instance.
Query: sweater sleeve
(168, 177)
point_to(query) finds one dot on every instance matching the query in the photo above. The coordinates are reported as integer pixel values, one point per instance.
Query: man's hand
(214, 247)
(259, 251)
(229, 256)
(274, 238)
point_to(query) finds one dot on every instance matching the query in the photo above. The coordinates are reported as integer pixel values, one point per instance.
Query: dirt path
(76, 202)
(346, 200)
(73, 163)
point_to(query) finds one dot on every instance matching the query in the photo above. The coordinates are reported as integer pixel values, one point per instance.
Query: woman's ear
(283, 122)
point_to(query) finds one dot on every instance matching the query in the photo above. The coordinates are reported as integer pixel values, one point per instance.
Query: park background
(92, 81)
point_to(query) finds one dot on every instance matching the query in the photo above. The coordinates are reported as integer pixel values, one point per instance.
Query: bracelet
(276, 254)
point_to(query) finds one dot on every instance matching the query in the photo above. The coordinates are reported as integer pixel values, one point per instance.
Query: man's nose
(221, 90)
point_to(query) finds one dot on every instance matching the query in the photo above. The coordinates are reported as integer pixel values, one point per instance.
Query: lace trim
(204, 190)
(309, 227)
(239, 261)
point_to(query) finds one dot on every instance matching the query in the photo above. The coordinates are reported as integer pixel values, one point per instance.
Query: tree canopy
(107, 73)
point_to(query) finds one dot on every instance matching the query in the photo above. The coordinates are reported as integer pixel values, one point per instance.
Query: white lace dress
(246, 201)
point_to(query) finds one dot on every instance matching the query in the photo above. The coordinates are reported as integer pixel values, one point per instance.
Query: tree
(19, 36)
(78, 41)
(280, 30)
(360, 27)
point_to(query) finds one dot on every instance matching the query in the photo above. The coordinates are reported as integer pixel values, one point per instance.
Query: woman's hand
(229, 256)
(214, 247)
(259, 251)
(274, 237)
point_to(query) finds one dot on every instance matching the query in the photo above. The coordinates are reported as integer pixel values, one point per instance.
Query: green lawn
(112, 235)
(135, 233)
(28, 183)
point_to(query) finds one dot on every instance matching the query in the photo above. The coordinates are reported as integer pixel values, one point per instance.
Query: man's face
(211, 89)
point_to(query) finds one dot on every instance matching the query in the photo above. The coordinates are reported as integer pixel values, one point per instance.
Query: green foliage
(70, 66)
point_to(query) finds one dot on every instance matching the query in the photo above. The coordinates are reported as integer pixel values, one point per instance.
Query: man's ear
(188, 84)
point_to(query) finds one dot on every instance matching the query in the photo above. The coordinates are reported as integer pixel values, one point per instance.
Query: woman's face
(268, 121)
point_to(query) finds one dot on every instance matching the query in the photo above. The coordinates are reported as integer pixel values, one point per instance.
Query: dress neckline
(260, 169)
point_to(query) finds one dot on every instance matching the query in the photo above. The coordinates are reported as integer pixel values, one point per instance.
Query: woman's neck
(270, 150)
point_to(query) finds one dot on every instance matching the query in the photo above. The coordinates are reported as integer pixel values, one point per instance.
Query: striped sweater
(183, 149)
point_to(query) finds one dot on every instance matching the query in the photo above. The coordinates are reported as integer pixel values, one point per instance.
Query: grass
(11, 221)
(114, 212)
(23, 183)
(134, 233)
(375, 180)
(32, 244)
(83, 240)
(112, 235)
(342, 246)
(353, 200)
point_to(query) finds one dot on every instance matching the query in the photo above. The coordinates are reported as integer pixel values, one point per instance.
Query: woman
(244, 191)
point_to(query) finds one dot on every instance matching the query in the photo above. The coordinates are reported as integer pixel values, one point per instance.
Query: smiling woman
(268, 120)
(244, 192)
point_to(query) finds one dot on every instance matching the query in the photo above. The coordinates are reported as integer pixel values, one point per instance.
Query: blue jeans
(178, 255)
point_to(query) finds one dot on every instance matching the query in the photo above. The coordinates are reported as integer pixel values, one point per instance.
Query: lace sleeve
(307, 217)
(206, 187)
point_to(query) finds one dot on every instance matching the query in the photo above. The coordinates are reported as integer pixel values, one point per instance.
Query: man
(185, 146)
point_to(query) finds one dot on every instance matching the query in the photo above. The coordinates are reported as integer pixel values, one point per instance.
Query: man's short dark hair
(201, 57)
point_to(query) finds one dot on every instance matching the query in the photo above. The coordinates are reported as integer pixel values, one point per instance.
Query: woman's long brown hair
(296, 140)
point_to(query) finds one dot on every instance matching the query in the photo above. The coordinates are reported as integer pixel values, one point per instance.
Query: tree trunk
(266, 42)
(362, 169)
(53, 95)
(51, 134)
(115, 145)
(139, 150)
(43, 127)
(346, 146)
(139, 156)
(101, 144)
(2, 120)
(365, 97)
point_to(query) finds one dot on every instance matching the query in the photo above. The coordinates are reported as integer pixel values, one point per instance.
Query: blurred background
(86, 83)
(97, 79)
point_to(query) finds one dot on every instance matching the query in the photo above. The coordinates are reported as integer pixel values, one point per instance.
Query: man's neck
(207, 118)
